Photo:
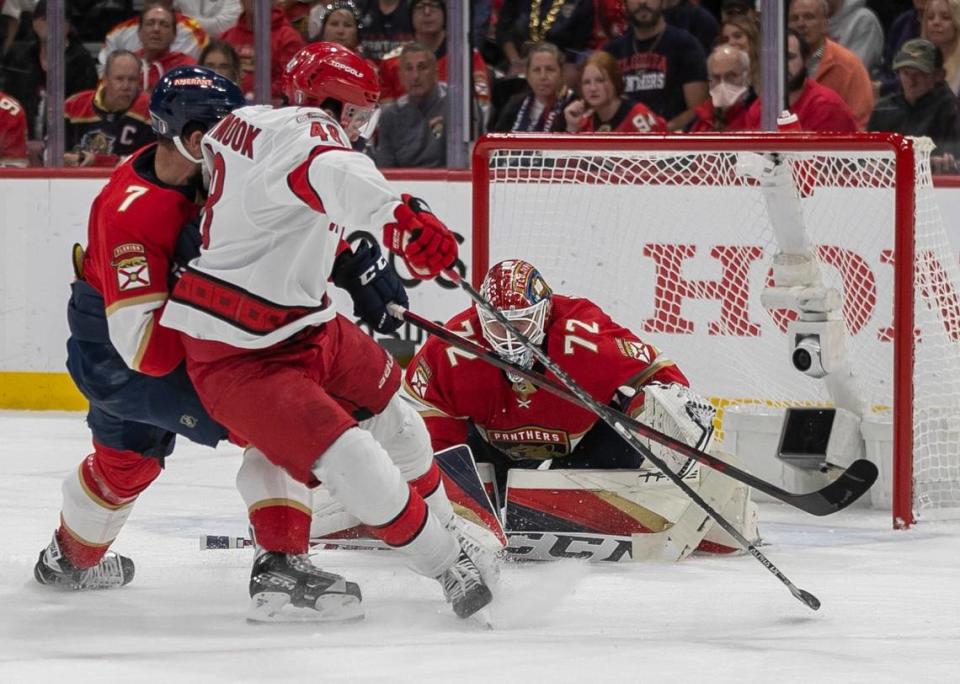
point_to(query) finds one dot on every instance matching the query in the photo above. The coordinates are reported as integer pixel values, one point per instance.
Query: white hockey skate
(53, 569)
(463, 587)
(482, 545)
(289, 588)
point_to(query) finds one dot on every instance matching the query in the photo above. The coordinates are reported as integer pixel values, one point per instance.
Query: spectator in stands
(157, 33)
(412, 129)
(107, 124)
(10, 11)
(738, 8)
(941, 26)
(222, 58)
(609, 22)
(386, 26)
(742, 32)
(663, 67)
(603, 108)
(285, 42)
(568, 24)
(693, 19)
(429, 18)
(925, 106)
(728, 68)
(818, 108)
(541, 107)
(857, 28)
(25, 72)
(189, 37)
(13, 132)
(830, 63)
(336, 22)
(904, 27)
(213, 16)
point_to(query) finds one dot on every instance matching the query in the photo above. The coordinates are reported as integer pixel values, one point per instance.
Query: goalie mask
(520, 293)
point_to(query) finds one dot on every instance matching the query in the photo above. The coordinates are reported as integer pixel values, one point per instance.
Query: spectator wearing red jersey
(285, 42)
(157, 33)
(13, 132)
(107, 124)
(818, 108)
(189, 37)
(603, 108)
(429, 19)
(728, 69)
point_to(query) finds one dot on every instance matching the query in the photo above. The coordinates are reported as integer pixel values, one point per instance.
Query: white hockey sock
(358, 472)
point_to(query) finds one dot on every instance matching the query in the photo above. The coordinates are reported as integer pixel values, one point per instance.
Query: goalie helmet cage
(672, 236)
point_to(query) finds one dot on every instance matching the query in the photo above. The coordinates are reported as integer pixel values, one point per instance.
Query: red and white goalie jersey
(454, 388)
(283, 184)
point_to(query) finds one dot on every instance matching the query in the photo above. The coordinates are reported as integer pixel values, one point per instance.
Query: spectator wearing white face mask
(728, 69)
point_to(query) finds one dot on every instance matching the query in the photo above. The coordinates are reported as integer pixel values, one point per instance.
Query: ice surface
(891, 600)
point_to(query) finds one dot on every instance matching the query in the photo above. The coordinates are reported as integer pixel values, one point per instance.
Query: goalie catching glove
(426, 245)
(678, 412)
(372, 285)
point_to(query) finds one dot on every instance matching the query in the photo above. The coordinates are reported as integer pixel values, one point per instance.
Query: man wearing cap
(924, 105)
(738, 8)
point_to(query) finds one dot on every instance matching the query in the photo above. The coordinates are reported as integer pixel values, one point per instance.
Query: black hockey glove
(372, 283)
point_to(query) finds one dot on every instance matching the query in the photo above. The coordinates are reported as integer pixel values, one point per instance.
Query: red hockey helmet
(328, 71)
(520, 293)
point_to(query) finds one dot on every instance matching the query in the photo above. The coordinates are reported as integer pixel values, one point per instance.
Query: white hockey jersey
(283, 184)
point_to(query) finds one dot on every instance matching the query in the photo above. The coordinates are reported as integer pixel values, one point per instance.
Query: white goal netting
(678, 245)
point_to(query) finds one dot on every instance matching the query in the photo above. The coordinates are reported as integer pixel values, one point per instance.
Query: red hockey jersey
(455, 388)
(132, 234)
(13, 132)
(631, 117)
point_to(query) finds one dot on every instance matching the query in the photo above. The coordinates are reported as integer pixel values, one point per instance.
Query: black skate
(53, 569)
(279, 580)
(463, 587)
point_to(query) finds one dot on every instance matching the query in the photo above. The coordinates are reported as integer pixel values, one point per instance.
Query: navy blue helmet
(191, 94)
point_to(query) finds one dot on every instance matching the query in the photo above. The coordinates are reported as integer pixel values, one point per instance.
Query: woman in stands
(603, 107)
(940, 24)
(742, 32)
(540, 108)
(336, 22)
(222, 58)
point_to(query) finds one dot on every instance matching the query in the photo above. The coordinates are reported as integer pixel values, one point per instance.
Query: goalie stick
(612, 418)
(849, 486)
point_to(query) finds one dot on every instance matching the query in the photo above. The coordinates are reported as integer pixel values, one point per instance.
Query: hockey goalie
(571, 486)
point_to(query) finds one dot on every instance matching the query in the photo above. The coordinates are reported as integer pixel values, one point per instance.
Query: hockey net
(672, 236)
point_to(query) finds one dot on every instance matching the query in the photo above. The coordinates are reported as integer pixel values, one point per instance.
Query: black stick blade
(850, 486)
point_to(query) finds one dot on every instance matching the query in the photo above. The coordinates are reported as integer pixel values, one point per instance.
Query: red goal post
(672, 235)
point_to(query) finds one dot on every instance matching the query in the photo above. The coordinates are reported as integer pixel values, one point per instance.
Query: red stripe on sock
(79, 554)
(281, 528)
(407, 525)
(427, 484)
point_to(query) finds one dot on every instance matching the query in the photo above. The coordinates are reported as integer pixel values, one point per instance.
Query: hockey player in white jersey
(273, 361)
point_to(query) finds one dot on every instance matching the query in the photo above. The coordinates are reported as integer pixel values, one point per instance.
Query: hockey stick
(847, 488)
(613, 420)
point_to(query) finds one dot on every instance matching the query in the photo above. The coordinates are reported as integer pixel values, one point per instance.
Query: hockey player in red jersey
(520, 425)
(271, 358)
(129, 367)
